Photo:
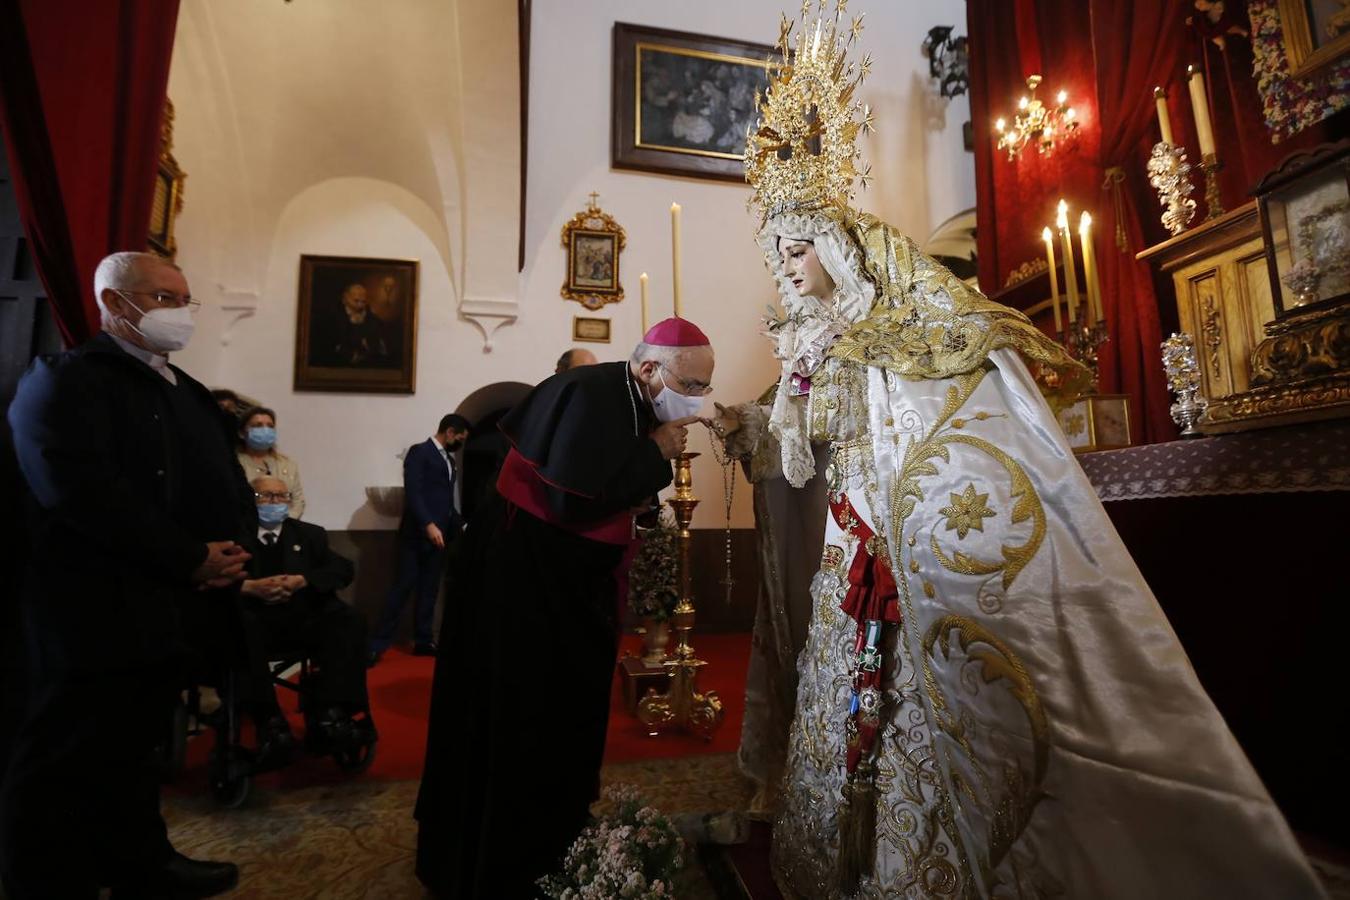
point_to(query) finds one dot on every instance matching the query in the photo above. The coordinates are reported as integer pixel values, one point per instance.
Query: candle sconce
(1213, 204)
(1170, 175)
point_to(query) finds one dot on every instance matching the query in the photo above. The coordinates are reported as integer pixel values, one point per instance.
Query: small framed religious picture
(356, 325)
(595, 331)
(1097, 422)
(1316, 34)
(167, 201)
(593, 242)
(682, 103)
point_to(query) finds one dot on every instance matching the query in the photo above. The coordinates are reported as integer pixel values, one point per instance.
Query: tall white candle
(1070, 271)
(675, 252)
(1164, 122)
(1094, 287)
(642, 280)
(1200, 104)
(1054, 277)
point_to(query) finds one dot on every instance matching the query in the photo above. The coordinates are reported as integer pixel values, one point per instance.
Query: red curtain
(82, 89)
(1133, 54)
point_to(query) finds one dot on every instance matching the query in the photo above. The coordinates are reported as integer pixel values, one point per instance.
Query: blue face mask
(261, 437)
(270, 515)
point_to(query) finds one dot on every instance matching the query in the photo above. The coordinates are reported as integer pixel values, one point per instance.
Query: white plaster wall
(260, 194)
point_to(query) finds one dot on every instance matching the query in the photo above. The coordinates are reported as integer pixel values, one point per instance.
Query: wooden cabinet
(1224, 302)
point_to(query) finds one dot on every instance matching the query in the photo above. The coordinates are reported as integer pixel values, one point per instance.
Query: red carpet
(400, 692)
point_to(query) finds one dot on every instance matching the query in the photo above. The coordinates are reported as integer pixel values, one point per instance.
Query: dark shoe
(180, 879)
(424, 650)
(276, 744)
(330, 732)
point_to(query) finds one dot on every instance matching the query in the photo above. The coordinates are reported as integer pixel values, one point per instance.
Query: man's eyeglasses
(166, 300)
(273, 496)
(689, 386)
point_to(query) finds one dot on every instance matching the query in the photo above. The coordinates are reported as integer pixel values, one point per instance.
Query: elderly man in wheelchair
(291, 612)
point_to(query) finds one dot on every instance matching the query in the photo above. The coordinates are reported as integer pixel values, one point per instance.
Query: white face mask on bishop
(670, 406)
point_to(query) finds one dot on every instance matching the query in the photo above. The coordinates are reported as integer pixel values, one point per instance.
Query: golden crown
(801, 154)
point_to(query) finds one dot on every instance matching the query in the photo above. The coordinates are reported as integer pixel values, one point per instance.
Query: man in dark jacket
(431, 519)
(138, 507)
(291, 603)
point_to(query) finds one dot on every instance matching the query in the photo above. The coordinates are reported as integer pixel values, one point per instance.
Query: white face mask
(670, 406)
(164, 330)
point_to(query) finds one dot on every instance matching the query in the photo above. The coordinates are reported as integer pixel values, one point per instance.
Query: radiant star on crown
(802, 153)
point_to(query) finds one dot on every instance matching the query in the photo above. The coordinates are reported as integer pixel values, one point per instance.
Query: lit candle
(1094, 287)
(1070, 271)
(1164, 123)
(642, 280)
(675, 252)
(1054, 277)
(1200, 103)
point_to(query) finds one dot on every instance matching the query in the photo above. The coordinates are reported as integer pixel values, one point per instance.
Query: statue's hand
(727, 422)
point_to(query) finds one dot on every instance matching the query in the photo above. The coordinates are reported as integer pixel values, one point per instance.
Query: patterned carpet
(357, 839)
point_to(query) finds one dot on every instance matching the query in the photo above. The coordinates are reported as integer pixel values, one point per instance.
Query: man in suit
(290, 602)
(431, 519)
(137, 512)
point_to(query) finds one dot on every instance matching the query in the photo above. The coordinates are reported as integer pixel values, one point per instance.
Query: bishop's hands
(673, 437)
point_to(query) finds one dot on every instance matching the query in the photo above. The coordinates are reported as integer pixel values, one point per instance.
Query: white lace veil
(812, 324)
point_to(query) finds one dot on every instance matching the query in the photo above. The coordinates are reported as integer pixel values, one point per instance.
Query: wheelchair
(232, 766)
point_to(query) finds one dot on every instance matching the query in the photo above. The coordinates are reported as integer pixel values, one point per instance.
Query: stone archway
(486, 446)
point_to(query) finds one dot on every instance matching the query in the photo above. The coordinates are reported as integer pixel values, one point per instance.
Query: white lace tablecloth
(1276, 460)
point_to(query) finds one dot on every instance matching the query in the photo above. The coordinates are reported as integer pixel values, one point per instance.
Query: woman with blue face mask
(259, 456)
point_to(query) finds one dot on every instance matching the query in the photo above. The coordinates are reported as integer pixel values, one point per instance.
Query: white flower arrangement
(633, 852)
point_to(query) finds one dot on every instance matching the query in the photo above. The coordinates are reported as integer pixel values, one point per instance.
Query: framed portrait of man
(356, 325)
(682, 102)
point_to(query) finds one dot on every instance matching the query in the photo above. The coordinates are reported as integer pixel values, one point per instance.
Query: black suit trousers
(79, 807)
(323, 628)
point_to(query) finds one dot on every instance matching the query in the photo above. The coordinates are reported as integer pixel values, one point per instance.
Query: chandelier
(1035, 123)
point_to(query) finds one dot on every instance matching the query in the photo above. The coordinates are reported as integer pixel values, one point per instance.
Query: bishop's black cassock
(521, 694)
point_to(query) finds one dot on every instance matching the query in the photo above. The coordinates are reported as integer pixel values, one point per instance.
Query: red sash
(521, 483)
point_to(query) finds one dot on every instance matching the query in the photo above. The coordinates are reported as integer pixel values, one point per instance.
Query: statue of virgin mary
(990, 702)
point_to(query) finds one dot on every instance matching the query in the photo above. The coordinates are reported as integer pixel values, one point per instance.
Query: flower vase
(655, 637)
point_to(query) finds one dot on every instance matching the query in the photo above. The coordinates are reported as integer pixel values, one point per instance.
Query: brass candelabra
(1210, 163)
(682, 706)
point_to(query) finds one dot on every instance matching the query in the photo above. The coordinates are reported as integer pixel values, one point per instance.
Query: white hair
(666, 356)
(122, 271)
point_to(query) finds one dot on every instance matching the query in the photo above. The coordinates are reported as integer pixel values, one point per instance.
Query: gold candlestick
(1210, 163)
(682, 706)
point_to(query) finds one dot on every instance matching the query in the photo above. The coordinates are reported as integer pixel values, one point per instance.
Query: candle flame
(1062, 219)
(1061, 97)
(1022, 104)
(1046, 235)
(999, 125)
(1084, 223)
(1071, 114)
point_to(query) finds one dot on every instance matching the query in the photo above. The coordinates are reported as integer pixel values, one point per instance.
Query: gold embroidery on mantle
(967, 510)
(1004, 793)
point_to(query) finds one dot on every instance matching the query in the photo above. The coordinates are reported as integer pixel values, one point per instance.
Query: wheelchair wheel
(231, 793)
(354, 760)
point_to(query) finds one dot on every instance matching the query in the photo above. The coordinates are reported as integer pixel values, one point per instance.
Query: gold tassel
(1115, 177)
(857, 830)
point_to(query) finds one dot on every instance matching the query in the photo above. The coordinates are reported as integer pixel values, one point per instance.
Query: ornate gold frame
(168, 199)
(592, 222)
(1304, 60)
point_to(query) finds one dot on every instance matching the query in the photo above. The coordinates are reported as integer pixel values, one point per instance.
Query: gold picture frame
(592, 331)
(1097, 422)
(356, 325)
(1315, 35)
(167, 202)
(593, 242)
(682, 102)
